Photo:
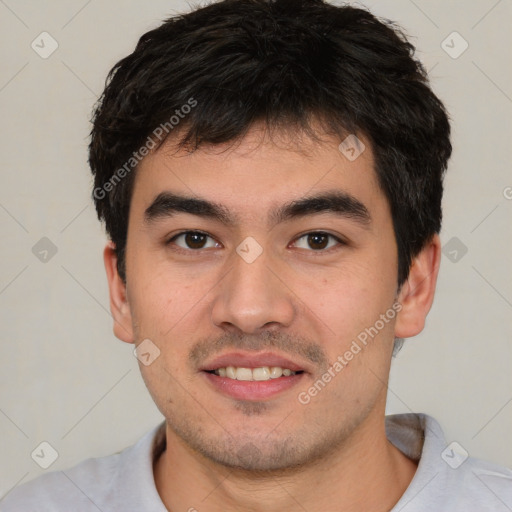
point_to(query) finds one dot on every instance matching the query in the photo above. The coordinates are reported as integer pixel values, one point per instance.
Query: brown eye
(194, 240)
(317, 241)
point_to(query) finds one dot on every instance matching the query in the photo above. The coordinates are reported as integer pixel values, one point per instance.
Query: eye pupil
(195, 240)
(318, 241)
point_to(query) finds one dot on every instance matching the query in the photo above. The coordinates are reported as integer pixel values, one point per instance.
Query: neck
(366, 473)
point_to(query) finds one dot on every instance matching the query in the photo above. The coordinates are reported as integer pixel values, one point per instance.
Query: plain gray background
(66, 380)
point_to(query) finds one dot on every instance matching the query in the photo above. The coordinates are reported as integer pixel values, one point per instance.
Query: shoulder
(104, 483)
(71, 489)
(464, 480)
(479, 485)
(447, 478)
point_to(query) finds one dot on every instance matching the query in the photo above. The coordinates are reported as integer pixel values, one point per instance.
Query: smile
(254, 374)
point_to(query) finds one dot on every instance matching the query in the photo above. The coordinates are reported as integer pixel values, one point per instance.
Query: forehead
(259, 172)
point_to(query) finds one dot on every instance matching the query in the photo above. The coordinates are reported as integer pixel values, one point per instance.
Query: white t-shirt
(446, 480)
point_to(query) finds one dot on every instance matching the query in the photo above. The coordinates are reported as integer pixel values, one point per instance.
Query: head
(302, 146)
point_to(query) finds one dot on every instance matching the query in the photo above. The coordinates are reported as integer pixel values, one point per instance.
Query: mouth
(260, 374)
(253, 377)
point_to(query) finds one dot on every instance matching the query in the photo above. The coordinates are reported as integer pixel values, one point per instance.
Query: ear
(119, 305)
(417, 293)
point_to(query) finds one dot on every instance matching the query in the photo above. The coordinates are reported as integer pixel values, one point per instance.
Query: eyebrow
(336, 201)
(167, 204)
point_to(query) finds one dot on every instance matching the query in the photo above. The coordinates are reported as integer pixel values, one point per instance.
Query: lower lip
(253, 389)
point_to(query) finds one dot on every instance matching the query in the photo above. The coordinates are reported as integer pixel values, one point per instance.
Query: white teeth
(261, 373)
(243, 374)
(275, 372)
(250, 374)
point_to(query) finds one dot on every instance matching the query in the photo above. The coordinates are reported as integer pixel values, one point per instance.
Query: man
(270, 177)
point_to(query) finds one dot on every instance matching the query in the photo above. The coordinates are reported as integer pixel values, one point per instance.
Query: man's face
(271, 282)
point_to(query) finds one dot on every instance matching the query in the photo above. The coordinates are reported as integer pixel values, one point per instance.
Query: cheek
(350, 299)
(159, 300)
(358, 331)
(173, 309)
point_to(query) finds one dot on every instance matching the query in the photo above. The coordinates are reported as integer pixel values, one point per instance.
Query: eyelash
(339, 241)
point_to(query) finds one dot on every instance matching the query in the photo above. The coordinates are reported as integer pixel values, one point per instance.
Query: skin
(277, 453)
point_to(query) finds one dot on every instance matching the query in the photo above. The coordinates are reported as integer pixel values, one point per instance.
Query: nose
(253, 297)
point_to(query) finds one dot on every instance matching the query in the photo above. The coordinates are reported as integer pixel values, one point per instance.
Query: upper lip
(251, 360)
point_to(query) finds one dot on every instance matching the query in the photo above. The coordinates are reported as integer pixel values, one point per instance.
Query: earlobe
(119, 305)
(417, 293)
